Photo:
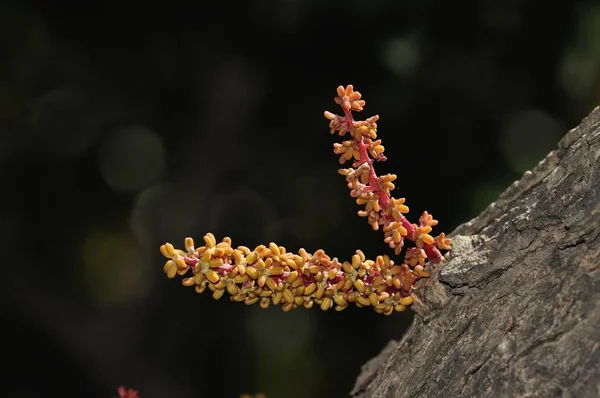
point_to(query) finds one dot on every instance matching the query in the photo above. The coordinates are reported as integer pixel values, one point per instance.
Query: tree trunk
(515, 310)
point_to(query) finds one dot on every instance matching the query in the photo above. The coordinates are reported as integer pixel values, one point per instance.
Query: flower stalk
(270, 275)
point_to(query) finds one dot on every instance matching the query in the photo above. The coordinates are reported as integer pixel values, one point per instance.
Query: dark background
(125, 125)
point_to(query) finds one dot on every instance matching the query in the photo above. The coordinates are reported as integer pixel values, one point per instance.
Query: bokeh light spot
(401, 56)
(579, 68)
(132, 159)
(282, 355)
(114, 270)
(527, 137)
(60, 122)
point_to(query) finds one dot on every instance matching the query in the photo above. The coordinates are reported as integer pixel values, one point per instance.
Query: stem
(384, 198)
(432, 252)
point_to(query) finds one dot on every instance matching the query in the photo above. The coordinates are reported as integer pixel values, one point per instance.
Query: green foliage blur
(122, 127)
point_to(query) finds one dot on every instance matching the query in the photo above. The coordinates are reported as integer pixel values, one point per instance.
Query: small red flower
(127, 392)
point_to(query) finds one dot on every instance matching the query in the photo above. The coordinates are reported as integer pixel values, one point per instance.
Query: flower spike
(269, 275)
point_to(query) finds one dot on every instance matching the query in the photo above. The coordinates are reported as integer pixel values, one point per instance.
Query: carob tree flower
(272, 275)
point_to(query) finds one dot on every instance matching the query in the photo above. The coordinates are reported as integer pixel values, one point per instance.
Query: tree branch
(515, 311)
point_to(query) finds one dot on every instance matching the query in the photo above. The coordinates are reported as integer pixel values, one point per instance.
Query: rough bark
(515, 310)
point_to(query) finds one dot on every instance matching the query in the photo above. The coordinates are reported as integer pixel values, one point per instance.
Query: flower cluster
(127, 392)
(373, 191)
(271, 275)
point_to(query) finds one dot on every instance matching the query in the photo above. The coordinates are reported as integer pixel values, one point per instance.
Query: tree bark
(515, 309)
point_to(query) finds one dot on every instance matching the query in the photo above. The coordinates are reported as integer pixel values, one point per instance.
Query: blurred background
(123, 126)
